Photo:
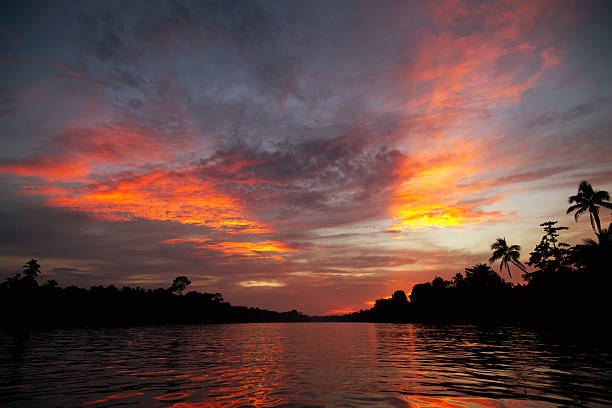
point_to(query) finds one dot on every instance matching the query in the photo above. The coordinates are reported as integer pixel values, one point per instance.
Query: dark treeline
(567, 284)
(27, 304)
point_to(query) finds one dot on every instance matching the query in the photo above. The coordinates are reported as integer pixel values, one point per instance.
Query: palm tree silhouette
(595, 255)
(604, 239)
(589, 199)
(509, 254)
(31, 269)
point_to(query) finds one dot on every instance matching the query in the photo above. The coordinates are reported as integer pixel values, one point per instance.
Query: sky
(308, 155)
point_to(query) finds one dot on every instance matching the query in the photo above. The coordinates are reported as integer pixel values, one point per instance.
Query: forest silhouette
(28, 304)
(566, 285)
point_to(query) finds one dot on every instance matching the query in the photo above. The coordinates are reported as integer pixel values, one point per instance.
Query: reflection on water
(299, 364)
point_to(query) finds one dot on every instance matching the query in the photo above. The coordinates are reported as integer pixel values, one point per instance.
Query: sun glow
(432, 190)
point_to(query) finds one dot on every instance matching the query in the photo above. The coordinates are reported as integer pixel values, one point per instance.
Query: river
(301, 365)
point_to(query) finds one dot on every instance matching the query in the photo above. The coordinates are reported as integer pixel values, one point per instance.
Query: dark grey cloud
(261, 71)
(581, 111)
(337, 181)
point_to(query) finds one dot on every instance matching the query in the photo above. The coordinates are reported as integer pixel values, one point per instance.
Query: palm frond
(574, 208)
(579, 213)
(495, 256)
(585, 187)
(601, 195)
(500, 245)
(519, 265)
(514, 255)
(605, 204)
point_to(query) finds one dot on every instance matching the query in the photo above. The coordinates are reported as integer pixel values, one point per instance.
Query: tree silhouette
(31, 269)
(439, 282)
(604, 239)
(589, 199)
(51, 283)
(594, 256)
(549, 255)
(482, 276)
(179, 284)
(509, 254)
(399, 297)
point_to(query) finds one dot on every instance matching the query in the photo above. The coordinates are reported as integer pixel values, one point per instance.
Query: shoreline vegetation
(567, 285)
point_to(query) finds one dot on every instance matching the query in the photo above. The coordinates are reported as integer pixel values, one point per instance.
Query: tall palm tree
(589, 199)
(31, 269)
(509, 254)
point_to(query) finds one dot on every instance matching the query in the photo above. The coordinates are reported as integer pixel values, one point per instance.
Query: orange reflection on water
(95, 402)
(172, 397)
(235, 400)
(114, 396)
(206, 404)
(154, 372)
(229, 401)
(125, 395)
(458, 402)
(316, 364)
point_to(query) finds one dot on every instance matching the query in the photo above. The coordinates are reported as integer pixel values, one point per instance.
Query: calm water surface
(299, 365)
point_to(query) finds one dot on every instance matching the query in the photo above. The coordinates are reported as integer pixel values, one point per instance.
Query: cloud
(431, 192)
(472, 65)
(238, 250)
(161, 196)
(550, 58)
(261, 284)
(340, 179)
(315, 145)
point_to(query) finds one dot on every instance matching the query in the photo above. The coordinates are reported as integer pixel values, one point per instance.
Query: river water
(301, 365)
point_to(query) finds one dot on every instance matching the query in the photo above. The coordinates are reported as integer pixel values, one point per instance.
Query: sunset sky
(311, 155)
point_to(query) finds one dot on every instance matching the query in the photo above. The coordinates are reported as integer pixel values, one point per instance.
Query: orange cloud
(107, 173)
(466, 76)
(430, 191)
(245, 250)
(254, 249)
(467, 73)
(80, 154)
(47, 168)
(162, 196)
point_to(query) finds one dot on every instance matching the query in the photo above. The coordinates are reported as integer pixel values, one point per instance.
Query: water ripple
(299, 365)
